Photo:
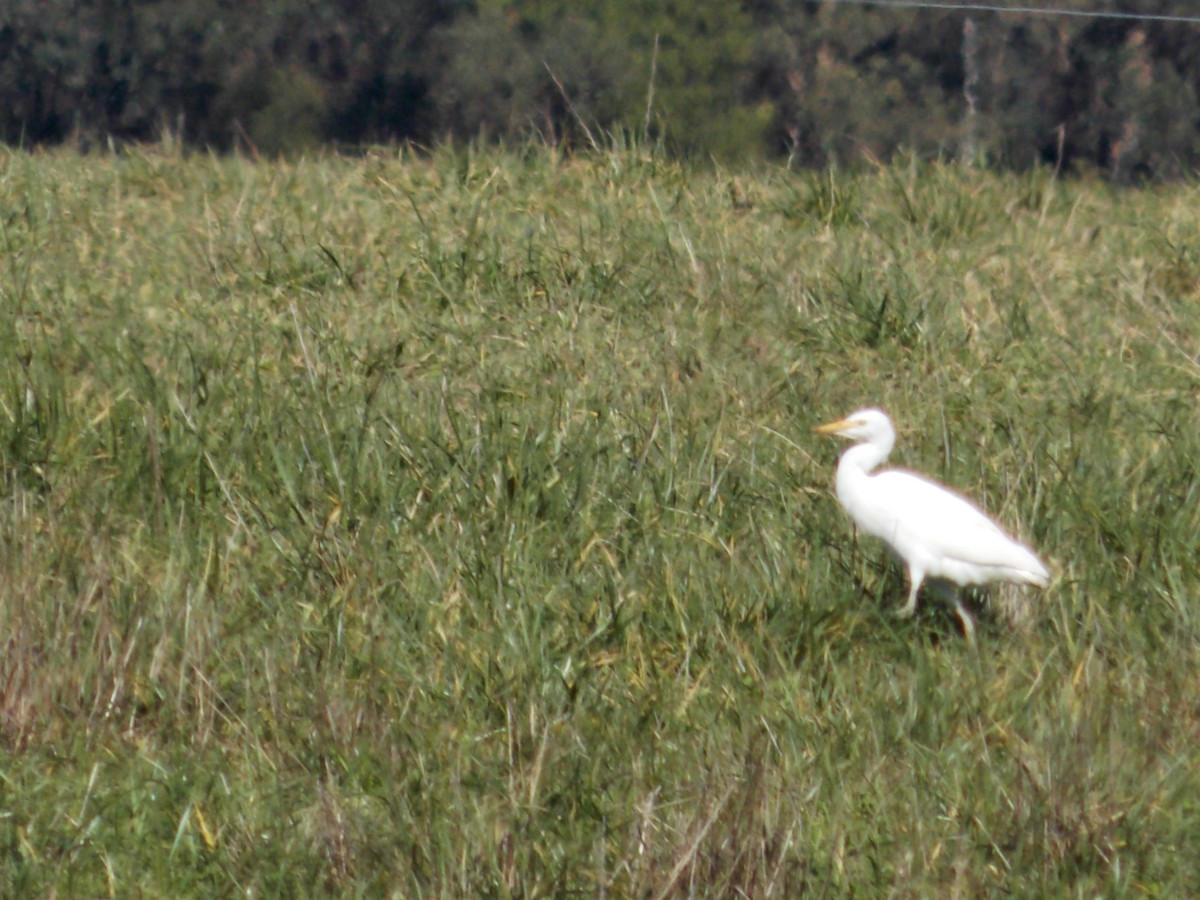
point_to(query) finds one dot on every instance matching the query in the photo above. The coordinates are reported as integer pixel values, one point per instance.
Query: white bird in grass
(938, 534)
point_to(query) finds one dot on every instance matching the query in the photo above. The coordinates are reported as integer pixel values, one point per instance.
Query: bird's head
(870, 426)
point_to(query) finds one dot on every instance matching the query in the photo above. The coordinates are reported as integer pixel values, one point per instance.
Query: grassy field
(453, 526)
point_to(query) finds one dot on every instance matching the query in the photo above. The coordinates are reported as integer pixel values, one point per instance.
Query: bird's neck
(856, 465)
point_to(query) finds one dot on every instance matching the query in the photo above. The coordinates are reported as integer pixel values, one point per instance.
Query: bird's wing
(945, 524)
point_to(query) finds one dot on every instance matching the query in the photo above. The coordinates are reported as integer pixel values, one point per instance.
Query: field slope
(453, 526)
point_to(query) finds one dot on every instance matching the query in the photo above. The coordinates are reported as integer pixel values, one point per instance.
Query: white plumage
(940, 536)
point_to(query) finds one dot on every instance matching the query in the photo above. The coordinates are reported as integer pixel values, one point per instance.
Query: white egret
(938, 534)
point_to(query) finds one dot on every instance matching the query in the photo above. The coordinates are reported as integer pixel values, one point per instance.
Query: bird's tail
(1030, 569)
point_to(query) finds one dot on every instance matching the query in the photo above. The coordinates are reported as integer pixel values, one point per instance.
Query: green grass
(453, 526)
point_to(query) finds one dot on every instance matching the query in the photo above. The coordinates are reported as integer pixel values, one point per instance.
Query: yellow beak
(834, 427)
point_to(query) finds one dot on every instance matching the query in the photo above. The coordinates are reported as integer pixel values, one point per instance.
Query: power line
(1031, 10)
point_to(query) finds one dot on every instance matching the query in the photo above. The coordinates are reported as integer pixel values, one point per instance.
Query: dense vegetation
(820, 82)
(453, 526)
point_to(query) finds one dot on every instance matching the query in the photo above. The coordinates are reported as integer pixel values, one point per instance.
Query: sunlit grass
(453, 526)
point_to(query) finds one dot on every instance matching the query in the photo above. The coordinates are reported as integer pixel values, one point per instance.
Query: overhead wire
(1025, 10)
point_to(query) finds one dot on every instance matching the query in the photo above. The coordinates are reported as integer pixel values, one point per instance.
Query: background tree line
(819, 81)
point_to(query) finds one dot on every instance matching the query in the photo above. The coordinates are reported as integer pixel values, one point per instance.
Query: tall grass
(452, 525)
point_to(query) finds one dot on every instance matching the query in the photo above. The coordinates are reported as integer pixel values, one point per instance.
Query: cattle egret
(939, 535)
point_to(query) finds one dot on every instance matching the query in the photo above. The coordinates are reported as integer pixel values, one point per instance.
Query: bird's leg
(965, 617)
(968, 622)
(907, 610)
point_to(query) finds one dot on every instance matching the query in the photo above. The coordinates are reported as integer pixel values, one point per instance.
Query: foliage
(560, 75)
(452, 525)
(824, 83)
